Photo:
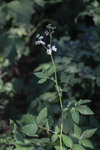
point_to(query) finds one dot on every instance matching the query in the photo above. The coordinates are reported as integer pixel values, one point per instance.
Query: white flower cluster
(50, 49)
(40, 40)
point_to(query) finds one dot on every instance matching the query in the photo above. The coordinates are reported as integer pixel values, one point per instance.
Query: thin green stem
(56, 81)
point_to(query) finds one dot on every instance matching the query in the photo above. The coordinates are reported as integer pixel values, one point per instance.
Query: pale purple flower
(40, 38)
(49, 51)
(42, 42)
(54, 48)
(48, 45)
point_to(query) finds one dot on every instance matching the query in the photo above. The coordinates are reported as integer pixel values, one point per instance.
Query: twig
(48, 129)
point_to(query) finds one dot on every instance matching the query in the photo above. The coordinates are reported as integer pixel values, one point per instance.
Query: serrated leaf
(78, 147)
(74, 81)
(84, 110)
(63, 77)
(77, 131)
(19, 137)
(28, 119)
(86, 143)
(59, 148)
(54, 137)
(75, 115)
(57, 129)
(88, 133)
(80, 102)
(67, 141)
(42, 80)
(42, 116)
(40, 74)
(30, 129)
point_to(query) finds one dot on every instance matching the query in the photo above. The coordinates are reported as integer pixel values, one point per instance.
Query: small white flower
(42, 42)
(49, 51)
(48, 45)
(40, 38)
(54, 48)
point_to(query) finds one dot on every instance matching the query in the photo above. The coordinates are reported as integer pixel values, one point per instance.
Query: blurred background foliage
(77, 38)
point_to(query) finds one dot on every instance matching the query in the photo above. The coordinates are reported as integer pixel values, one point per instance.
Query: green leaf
(13, 126)
(2, 15)
(75, 115)
(96, 19)
(77, 131)
(42, 116)
(42, 80)
(19, 137)
(80, 102)
(63, 77)
(54, 137)
(30, 129)
(67, 141)
(74, 81)
(86, 143)
(65, 89)
(85, 110)
(21, 11)
(57, 129)
(78, 147)
(88, 133)
(28, 119)
(40, 74)
(59, 148)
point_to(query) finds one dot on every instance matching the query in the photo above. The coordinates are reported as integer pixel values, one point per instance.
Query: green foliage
(88, 133)
(42, 116)
(42, 76)
(75, 115)
(30, 129)
(67, 141)
(77, 147)
(86, 143)
(83, 109)
(58, 148)
(20, 11)
(77, 132)
(78, 60)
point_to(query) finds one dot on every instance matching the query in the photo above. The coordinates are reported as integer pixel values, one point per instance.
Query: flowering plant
(56, 137)
(66, 142)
